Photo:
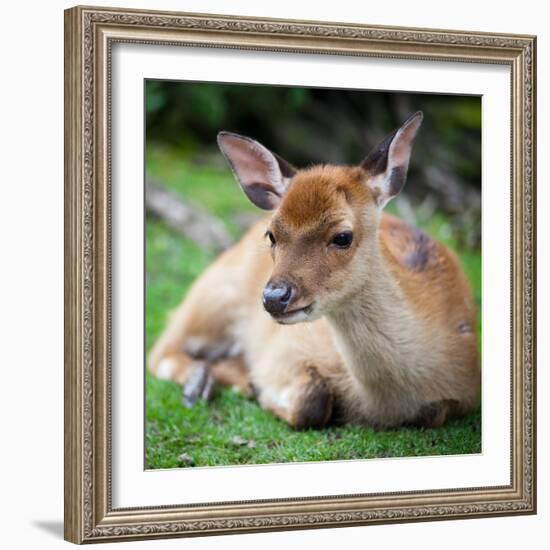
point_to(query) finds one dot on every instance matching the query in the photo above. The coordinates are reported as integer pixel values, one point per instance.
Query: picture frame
(90, 36)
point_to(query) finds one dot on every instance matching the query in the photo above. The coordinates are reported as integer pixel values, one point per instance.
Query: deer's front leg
(203, 377)
(199, 384)
(434, 415)
(306, 402)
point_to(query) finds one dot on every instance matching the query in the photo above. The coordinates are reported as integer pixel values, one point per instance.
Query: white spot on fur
(279, 399)
(298, 317)
(166, 368)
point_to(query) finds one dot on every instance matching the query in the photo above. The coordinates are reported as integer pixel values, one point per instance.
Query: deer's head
(325, 219)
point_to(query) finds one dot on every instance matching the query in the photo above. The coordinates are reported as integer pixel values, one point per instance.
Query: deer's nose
(276, 297)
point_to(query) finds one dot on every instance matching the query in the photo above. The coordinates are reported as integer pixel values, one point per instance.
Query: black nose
(276, 297)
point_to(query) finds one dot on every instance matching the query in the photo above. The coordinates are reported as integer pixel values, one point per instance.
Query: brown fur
(314, 408)
(390, 335)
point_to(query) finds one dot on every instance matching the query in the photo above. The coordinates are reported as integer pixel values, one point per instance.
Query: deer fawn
(329, 310)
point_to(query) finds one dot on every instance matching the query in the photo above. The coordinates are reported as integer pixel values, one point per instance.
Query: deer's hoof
(199, 385)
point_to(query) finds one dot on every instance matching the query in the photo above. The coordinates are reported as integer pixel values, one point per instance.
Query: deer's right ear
(387, 164)
(262, 175)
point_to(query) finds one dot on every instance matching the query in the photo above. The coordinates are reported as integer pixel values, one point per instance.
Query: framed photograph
(300, 274)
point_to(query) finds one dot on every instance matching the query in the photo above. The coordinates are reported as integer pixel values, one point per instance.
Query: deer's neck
(377, 332)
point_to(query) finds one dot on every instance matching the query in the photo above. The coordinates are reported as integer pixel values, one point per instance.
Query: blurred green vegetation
(315, 124)
(206, 434)
(320, 125)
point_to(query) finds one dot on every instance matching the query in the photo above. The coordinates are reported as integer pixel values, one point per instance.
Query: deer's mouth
(292, 316)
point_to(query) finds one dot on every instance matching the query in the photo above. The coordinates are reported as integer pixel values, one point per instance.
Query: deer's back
(429, 274)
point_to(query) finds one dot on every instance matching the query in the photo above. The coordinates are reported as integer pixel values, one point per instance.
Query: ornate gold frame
(89, 35)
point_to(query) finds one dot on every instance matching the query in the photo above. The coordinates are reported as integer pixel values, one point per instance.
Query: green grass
(211, 187)
(232, 429)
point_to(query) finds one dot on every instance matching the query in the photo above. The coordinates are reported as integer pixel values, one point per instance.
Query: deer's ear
(387, 164)
(262, 175)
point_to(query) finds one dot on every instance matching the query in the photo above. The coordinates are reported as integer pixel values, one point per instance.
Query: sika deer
(329, 309)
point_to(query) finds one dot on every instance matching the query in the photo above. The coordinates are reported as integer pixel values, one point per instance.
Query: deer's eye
(271, 237)
(342, 240)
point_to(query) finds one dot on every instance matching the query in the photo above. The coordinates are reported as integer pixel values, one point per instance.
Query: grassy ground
(232, 429)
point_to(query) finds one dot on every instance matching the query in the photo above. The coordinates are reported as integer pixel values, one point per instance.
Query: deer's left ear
(387, 164)
(262, 175)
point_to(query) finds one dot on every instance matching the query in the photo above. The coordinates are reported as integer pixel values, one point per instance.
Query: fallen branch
(191, 221)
